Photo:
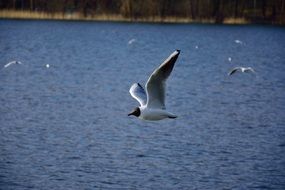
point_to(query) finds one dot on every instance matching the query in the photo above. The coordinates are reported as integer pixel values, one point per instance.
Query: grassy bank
(12, 14)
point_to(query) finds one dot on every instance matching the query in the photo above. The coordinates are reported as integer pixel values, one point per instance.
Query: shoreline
(36, 15)
(76, 16)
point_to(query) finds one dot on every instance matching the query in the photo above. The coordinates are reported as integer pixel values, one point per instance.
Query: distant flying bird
(230, 59)
(242, 69)
(11, 63)
(196, 47)
(131, 41)
(47, 65)
(238, 42)
(152, 102)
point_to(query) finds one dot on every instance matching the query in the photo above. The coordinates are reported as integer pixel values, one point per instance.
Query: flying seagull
(131, 41)
(152, 102)
(11, 63)
(238, 42)
(242, 69)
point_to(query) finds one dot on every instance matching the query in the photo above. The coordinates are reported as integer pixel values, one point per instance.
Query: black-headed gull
(152, 102)
(242, 69)
(11, 63)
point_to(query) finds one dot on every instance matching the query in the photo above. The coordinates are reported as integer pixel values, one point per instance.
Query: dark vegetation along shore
(201, 11)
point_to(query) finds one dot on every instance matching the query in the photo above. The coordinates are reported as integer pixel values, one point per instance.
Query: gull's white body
(154, 114)
(152, 102)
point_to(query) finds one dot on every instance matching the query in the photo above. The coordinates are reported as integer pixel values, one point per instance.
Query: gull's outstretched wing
(234, 70)
(10, 63)
(156, 83)
(249, 69)
(138, 93)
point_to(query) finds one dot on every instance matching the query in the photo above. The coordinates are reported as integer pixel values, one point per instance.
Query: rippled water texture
(66, 126)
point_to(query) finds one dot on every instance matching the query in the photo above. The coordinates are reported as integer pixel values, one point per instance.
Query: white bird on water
(152, 102)
(238, 42)
(11, 63)
(131, 41)
(242, 69)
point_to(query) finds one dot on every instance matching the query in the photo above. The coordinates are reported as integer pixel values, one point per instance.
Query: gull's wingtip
(178, 51)
(175, 53)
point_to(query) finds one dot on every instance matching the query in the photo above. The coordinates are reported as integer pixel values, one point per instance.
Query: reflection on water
(66, 126)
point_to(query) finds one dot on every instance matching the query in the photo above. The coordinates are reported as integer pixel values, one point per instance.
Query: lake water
(66, 126)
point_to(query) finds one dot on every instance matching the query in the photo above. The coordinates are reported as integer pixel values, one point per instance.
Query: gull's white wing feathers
(234, 70)
(249, 69)
(156, 83)
(12, 62)
(138, 93)
(242, 69)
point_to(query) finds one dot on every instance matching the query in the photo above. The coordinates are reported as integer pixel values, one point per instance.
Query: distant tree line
(269, 11)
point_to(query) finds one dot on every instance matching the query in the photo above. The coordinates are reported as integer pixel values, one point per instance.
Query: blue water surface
(66, 126)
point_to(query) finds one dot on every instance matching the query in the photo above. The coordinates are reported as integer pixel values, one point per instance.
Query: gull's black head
(136, 112)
